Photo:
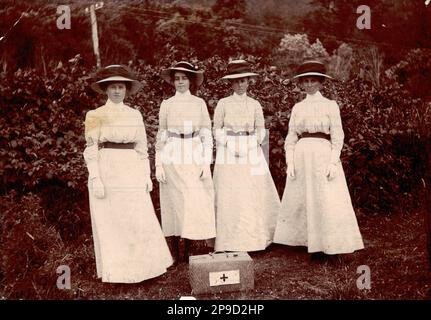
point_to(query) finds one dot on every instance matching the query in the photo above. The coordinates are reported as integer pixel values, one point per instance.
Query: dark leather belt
(315, 135)
(182, 135)
(239, 133)
(114, 145)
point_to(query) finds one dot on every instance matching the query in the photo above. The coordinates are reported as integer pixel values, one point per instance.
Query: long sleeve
(291, 138)
(219, 130)
(162, 133)
(206, 134)
(91, 152)
(141, 146)
(336, 132)
(259, 123)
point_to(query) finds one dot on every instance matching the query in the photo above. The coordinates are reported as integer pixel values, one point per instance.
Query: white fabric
(128, 240)
(316, 114)
(240, 75)
(186, 200)
(247, 202)
(316, 211)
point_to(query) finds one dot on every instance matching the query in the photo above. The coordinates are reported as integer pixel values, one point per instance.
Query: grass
(395, 251)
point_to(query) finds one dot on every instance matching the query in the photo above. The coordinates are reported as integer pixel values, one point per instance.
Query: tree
(396, 26)
(295, 48)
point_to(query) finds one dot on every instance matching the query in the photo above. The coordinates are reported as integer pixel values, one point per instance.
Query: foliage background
(382, 88)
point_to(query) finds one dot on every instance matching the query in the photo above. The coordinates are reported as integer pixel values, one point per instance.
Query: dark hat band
(115, 70)
(111, 74)
(312, 66)
(186, 65)
(236, 69)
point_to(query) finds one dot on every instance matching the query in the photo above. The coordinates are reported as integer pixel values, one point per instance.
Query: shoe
(335, 260)
(186, 255)
(318, 257)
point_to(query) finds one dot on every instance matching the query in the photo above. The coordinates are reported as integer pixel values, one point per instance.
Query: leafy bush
(294, 48)
(414, 72)
(383, 149)
(42, 128)
(340, 65)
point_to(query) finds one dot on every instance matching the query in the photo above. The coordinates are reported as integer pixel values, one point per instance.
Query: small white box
(221, 272)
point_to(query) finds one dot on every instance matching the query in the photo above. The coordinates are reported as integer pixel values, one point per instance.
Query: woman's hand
(160, 174)
(331, 171)
(239, 148)
(98, 188)
(148, 184)
(205, 172)
(231, 146)
(290, 171)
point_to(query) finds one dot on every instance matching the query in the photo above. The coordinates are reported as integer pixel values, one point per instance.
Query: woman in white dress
(316, 207)
(247, 202)
(184, 149)
(128, 240)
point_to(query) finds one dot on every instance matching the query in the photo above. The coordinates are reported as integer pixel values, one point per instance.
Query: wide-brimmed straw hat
(185, 67)
(239, 69)
(116, 73)
(312, 68)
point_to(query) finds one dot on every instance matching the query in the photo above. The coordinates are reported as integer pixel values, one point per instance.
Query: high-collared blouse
(238, 113)
(184, 113)
(113, 123)
(316, 114)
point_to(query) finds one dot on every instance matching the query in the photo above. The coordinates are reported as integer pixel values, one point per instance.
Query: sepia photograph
(215, 150)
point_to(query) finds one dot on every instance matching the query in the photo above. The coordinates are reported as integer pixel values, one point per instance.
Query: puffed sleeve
(162, 133)
(219, 130)
(336, 132)
(141, 146)
(259, 123)
(291, 138)
(91, 152)
(205, 133)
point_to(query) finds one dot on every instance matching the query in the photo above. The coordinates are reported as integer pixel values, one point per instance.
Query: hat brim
(307, 74)
(166, 75)
(136, 85)
(240, 75)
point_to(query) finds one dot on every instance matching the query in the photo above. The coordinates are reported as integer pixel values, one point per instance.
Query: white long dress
(128, 240)
(317, 212)
(186, 200)
(247, 202)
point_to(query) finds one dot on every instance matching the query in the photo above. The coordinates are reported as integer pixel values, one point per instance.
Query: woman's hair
(192, 78)
(104, 85)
